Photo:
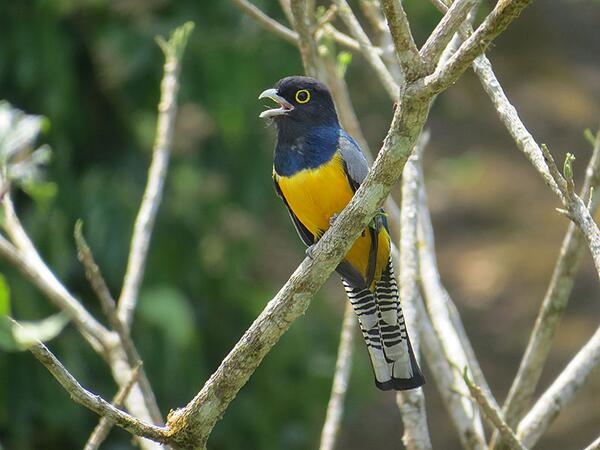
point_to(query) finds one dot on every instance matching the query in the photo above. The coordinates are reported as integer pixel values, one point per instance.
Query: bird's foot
(310, 251)
(332, 219)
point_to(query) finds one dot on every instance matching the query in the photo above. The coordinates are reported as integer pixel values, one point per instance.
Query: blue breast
(309, 151)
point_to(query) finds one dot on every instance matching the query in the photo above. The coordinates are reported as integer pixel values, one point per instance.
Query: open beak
(284, 105)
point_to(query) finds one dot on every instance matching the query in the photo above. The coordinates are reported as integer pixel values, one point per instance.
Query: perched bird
(316, 170)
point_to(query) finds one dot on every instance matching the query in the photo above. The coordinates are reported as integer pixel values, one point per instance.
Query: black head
(303, 101)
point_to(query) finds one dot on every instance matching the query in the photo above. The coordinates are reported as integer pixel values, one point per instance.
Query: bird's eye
(303, 96)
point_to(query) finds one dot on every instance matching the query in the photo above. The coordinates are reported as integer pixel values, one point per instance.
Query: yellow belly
(315, 195)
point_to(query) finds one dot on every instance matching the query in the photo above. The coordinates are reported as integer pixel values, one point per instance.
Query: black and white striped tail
(382, 324)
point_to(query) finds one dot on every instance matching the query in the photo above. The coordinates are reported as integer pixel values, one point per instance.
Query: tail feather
(384, 331)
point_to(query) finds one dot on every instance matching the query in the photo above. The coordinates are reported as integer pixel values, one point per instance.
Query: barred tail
(382, 324)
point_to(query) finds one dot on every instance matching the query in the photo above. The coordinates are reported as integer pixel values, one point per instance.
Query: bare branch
(553, 306)
(465, 416)
(104, 426)
(445, 29)
(511, 120)
(267, 22)
(501, 16)
(367, 49)
(561, 392)
(343, 366)
(594, 445)
(25, 257)
(94, 402)
(412, 403)
(306, 43)
(404, 43)
(144, 223)
(493, 414)
(92, 272)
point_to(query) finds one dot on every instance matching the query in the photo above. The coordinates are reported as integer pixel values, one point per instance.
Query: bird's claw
(332, 219)
(310, 251)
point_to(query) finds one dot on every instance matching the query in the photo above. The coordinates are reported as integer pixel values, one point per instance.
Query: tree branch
(560, 393)
(404, 43)
(92, 272)
(343, 366)
(367, 49)
(594, 445)
(25, 257)
(492, 413)
(453, 18)
(266, 22)
(553, 306)
(412, 403)
(465, 416)
(144, 223)
(94, 402)
(501, 16)
(104, 426)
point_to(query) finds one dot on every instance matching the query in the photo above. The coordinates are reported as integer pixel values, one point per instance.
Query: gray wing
(355, 163)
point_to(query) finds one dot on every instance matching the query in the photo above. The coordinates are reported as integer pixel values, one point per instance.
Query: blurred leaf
(343, 61)
(41, 192)
(4, 297)
(22, 335)
(169, 310)
(19, 160)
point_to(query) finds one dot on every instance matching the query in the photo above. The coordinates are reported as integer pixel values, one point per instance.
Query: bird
(317, 168)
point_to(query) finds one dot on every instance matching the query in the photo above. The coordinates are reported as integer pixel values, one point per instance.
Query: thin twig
(266, 22)
(372, 10)
(94, 402)
(94, 276)
(492, 413)
(343, 366)
(367, 49)
(412, 403)
(561, 392)
(104, 426)
(144, 223)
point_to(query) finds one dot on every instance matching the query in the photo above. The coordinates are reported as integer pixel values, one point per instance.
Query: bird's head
(302, 101)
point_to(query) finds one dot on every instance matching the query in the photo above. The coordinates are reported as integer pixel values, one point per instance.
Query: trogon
(317, 168)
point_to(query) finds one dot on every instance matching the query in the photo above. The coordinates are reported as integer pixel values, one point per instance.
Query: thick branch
(144, 223)
(560, 393)
(404, 43)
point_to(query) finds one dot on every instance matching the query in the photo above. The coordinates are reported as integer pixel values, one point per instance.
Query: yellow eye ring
(303, 96)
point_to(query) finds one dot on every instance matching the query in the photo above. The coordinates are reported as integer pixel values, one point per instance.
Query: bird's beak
(284, 106)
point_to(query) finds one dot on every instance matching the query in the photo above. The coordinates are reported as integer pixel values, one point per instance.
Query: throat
(307, 150)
